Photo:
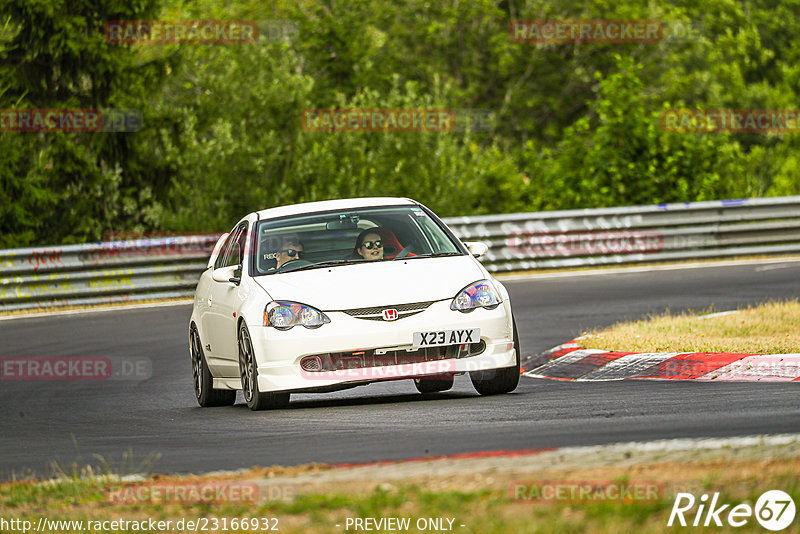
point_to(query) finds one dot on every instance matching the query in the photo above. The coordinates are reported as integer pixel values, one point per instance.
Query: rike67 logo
(774, 510)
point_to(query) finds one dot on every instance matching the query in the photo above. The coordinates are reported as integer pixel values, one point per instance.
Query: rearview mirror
(345, 222)
(476, 248)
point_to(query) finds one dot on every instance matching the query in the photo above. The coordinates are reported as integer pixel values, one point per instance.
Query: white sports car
(329, 295)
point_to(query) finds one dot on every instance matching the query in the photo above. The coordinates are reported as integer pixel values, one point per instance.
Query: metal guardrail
(99, 273)
(638, 234)
(123, 271)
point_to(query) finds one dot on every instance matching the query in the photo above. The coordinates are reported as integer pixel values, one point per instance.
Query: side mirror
(476, 248)
(230, 274)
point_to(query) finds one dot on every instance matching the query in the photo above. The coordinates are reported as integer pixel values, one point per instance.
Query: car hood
(364, 285)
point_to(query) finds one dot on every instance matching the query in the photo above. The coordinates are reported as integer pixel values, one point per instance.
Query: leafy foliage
(72, 187)
(619, 155)
(573, 124)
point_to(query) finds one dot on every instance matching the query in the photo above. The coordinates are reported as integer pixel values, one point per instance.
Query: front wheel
(248, 370)
(205, 394)
(497, 381)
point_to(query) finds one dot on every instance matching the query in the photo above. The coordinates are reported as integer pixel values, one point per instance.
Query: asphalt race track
(85, 421)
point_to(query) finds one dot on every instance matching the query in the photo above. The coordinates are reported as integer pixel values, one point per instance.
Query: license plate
(446, 337)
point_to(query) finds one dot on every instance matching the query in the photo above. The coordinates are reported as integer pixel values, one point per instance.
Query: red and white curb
(572, 362)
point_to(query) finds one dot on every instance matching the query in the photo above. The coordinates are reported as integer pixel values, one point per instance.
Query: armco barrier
(97, 273)
(661, 232)
(169, 267)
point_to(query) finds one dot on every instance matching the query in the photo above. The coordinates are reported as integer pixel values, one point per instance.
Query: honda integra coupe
(330, 295)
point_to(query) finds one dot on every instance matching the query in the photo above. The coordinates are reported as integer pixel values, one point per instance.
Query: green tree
(622, 156)
(76, 186)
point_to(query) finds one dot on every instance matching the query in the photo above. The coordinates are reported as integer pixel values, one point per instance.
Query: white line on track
(718, 314)
(82, 311)
(772, 267)
(773, 263)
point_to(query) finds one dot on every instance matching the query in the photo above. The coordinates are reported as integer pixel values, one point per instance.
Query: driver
(290, 249)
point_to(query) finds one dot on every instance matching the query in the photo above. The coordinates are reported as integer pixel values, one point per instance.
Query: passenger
(369, 245)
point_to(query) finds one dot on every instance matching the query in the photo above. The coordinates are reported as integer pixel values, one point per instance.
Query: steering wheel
(294, 264)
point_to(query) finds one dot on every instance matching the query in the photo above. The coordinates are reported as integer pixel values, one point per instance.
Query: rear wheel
(434, 385)
(497, 381)
(205, 394)
(248, 370)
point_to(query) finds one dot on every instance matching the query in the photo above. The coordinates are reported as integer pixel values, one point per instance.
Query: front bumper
(278, 353)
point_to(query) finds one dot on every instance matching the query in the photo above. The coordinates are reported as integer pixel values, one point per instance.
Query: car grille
(336, 361)
(376, 313)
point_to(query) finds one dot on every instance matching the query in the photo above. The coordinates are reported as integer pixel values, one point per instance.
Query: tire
(498, 381)
(433, 385)
(248, 371)
(205, 394)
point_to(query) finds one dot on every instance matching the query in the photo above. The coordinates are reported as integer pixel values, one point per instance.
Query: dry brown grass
(772, 328)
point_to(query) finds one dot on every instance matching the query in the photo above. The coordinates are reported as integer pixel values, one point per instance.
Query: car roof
(328, 205)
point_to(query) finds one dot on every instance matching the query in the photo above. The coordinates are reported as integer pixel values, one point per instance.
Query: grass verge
(772, 328)
(478, 499)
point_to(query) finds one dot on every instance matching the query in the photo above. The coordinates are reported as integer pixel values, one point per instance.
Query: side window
(233, 250)
(437, 239)
(224, 250)
(236, 254)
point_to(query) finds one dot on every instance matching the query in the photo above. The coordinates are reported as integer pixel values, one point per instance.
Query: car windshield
(326, 239)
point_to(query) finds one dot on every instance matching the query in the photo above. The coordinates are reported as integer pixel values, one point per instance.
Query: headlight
(283, 315)
(480, 294)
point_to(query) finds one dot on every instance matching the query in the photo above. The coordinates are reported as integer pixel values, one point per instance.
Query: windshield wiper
(329, 263)
(436, 255)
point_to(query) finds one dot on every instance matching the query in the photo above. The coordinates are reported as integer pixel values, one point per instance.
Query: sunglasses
(291, 252)
(369, 244)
